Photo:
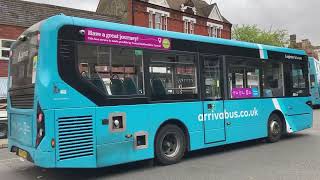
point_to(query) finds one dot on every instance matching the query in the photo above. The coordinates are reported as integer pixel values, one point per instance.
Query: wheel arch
(283, 120)
(178, 123)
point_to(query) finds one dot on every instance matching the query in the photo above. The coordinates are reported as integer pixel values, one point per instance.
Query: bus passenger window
(116, 71)
(243, 79)
(172, 76)
(299, 76)
(273, 81)
(211, 73)
(312, 80)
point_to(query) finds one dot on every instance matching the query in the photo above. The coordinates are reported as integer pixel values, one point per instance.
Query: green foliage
(252, 33)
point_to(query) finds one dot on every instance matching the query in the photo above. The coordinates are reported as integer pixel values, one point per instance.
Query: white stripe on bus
(277, 107)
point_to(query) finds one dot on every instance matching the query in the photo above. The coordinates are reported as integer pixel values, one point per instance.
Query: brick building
(305, 44)
(188, 16)
(16, 16)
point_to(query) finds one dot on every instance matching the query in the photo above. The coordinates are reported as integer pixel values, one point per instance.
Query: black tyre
(3, 130)
(170, 145)
(275, 128)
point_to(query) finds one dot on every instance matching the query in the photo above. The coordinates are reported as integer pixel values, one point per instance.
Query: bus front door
(213, 105)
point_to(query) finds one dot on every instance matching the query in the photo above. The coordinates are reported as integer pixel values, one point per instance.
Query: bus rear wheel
(170, 145)
(275, 128)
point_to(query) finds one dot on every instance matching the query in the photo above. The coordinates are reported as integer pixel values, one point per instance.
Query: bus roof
(169, 34)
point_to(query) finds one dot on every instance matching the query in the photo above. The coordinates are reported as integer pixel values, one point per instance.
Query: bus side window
(243, 79)
(299, 80)
(212, 81)
(312, 80)
(116, 71)
(273, 80)
(173, 76)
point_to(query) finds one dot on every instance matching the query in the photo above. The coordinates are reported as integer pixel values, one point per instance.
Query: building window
(186, 27)
(158, 19)
(5, 45)
(150, 19)
(214, 30)
(189, 25)
(165, 22)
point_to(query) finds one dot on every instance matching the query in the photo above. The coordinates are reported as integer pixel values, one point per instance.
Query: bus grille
(75, 137)
(22, 98)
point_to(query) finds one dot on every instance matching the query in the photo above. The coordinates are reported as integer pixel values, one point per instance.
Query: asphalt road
(295, 157)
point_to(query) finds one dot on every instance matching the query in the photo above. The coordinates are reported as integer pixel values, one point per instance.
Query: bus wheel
(275, 128)
(170, 145)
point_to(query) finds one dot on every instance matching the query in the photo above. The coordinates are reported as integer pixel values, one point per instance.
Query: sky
(296, 16)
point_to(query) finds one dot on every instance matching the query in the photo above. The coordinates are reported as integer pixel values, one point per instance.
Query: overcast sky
(296, 16)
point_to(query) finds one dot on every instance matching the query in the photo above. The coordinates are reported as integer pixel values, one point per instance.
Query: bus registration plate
(22, 154)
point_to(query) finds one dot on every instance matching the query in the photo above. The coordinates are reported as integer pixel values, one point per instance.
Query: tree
(252, 33)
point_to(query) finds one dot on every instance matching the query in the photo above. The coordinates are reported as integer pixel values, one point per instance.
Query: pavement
(3, 143)
(295, 157)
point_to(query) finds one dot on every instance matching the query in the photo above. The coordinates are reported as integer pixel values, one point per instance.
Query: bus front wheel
(170, 145)
(275, 128)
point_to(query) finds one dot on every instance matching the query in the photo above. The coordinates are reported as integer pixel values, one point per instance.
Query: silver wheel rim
(171, 145)
(275, 128)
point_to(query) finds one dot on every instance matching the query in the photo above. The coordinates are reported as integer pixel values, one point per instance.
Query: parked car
(3, 122)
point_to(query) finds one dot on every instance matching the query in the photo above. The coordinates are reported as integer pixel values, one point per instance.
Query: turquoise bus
(314, 65)
(85, 93)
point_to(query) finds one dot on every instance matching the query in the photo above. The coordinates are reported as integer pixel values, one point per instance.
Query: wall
(8, 32)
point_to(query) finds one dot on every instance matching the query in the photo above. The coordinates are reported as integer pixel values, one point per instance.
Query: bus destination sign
(110, 37)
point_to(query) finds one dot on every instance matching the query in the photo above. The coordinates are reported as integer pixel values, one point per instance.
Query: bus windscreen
(24, 60)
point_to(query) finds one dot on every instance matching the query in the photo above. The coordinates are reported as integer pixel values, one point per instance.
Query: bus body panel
(142, 118)
(22, 127)
(245, 120)
(214, 121)
(297, 117)
(59, 95)
(44, 154)
(81, 129)
(314, 67)
(76, 137)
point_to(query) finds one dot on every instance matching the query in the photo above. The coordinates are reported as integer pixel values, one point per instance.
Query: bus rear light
(40, 117)
(40, 126)
(37, 142)
(53, 143)
(38, 39)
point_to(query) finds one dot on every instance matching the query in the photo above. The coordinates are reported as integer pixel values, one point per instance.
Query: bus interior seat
(116, 87)
(157, 88)
(129, 86)
(268, 93)
(277, 92)
(99, 84)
